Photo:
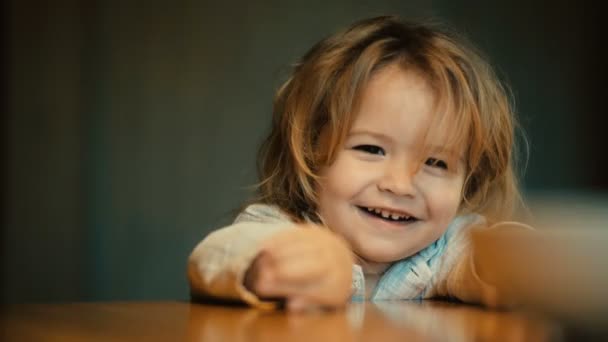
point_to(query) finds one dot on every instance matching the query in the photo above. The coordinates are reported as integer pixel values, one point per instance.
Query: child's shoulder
(263, 213)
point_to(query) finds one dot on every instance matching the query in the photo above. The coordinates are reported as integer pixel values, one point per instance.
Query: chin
(383, 256)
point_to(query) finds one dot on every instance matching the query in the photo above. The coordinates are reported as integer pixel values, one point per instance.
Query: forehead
(402, 104)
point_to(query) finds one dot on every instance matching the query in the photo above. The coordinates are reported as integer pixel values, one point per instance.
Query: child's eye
(436, 163)
(371, 149)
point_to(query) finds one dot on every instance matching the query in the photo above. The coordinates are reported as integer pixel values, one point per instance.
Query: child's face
(378, 172)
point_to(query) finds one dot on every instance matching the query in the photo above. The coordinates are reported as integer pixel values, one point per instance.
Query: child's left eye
(436, 163)
(371, 149)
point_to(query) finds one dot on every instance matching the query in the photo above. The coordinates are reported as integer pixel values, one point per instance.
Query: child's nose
(398, 179)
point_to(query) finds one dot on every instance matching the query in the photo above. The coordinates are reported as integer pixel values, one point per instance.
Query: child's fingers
(296, 304)
(299, 270)
(313, 294)
(285, 289)
(287, 277)
(323, 283)
(308, 263)
(301, 304)
(317, 287)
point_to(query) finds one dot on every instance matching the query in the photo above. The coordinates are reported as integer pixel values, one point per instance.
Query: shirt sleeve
(217, 265)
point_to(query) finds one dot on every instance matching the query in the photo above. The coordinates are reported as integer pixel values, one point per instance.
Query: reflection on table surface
(176, 321)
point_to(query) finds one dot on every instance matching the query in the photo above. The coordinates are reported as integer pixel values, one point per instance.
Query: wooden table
(183, 321)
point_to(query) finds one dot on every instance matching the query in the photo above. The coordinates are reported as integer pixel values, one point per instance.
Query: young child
(389, 142)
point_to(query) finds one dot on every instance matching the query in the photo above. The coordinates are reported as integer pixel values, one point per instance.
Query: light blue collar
(409, 278)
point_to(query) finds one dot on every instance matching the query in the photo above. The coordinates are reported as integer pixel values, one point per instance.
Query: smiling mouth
(387, 215)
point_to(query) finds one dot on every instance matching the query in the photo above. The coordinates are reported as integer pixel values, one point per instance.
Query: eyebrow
(376, 135)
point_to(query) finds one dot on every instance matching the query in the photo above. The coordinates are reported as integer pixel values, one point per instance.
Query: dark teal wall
(549, 52)
(131, 129)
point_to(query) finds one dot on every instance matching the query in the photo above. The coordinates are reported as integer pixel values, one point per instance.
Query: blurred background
(129, 128)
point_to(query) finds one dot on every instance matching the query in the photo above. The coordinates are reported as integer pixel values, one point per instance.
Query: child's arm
(217, 266)
(469, 277)
(308, 266)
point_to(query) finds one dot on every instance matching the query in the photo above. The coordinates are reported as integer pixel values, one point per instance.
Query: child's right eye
(371, 149)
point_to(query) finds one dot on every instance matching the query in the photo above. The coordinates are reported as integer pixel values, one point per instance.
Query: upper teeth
(388, 214)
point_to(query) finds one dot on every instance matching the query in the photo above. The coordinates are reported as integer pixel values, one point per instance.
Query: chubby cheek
(444, 205)
(442, 197)
(345, 178)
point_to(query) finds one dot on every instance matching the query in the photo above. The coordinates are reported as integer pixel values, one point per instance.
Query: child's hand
(308, 266)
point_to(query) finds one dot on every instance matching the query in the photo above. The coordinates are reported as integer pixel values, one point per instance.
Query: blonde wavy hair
(323, 92)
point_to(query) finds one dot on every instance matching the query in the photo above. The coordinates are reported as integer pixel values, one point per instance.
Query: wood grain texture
(182, 321)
